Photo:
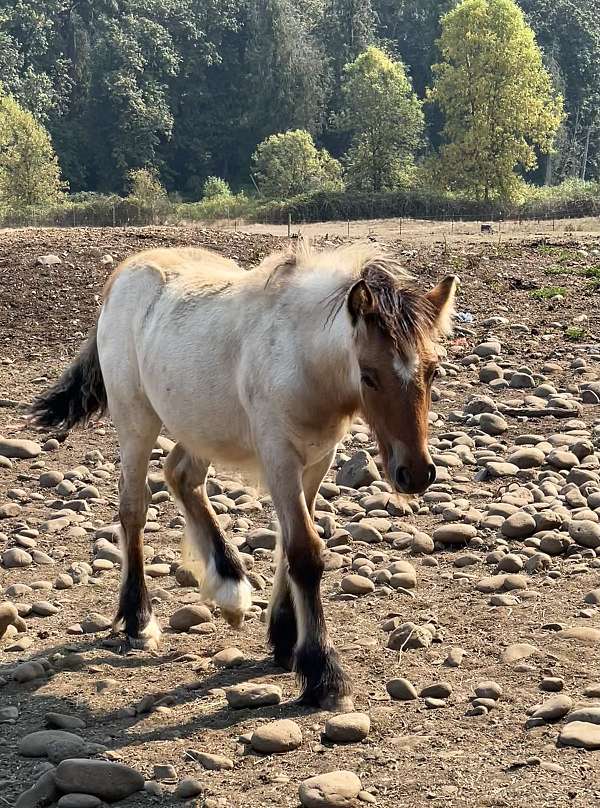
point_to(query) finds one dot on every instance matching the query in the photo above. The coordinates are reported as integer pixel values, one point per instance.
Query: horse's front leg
(324, 681)
(283, 630)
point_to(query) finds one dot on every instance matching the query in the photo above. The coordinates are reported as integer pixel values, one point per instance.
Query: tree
(384, 118)
(569, 35)
(215, 188)
(289, 164)
(497, 98)
(286, 81)
(29, 170)
(146, 187)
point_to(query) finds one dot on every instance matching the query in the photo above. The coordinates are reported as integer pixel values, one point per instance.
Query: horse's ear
(441, 298)
(360, 300)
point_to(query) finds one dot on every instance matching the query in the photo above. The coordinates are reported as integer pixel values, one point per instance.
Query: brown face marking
(395, 338)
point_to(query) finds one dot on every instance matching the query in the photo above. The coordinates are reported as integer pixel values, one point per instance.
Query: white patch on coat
(406, 369)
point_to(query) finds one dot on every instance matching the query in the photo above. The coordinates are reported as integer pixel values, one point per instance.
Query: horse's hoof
(148, 639)
(143, 643)
(235, 619)
(334, 703)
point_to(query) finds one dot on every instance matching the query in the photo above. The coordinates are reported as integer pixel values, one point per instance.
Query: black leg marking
(283, 632)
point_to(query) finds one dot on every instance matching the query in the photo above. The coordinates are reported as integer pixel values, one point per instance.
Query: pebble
(337, 789)
(95, 622)
(229, 658)
(492, 424)
(188, 616)
(43, 792)
(552, 684)
(518, 651)
(456, 533)
(188, 788)
(347, 727)
(357, 585)
(213, 762)
(62, 721)
(79, 801)
(8, 616)
(252, 696)
(276, 737)
(36, 743)
(104, 779)
(553, 709)
(360, 470)
(438, 690)
(580, 734)
(20, 449)
(408, 636)
(16, 557)
(488, 690)
(401, 689)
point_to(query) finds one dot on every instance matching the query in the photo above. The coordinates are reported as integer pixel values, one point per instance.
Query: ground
(544, 288)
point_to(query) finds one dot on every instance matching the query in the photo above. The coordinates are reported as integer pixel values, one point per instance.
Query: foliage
(215, 188)
(288, 164)
(569, 34)
(575, 333)
(188, 88)
(385, 120)
(548, 292)
(146, 187)
(496, 96)
(29, 171)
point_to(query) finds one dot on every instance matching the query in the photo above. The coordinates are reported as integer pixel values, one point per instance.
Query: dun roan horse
(262, 368)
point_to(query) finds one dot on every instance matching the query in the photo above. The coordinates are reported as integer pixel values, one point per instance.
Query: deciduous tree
(384, 118)
(497, 98)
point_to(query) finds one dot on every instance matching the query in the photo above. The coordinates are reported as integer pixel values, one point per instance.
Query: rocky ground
(469, 619)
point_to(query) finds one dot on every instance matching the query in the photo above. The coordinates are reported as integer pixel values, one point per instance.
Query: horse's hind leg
(224, 579)
(138, 427)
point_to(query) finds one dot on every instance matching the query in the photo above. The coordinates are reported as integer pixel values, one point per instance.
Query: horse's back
(187, 270)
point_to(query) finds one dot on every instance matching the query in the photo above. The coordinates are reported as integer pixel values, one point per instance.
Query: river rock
(104, 779)
(276, 737)
(360, 470)
(338, 789)
(347, 727)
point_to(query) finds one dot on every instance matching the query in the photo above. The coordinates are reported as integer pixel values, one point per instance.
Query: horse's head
(396, 334)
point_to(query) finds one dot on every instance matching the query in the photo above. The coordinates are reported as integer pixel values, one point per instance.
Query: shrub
(289, 164)
(215, 188)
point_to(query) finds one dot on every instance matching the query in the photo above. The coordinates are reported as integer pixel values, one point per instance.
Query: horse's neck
(325, 335)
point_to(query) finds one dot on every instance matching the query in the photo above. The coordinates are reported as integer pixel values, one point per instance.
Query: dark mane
(401, 312)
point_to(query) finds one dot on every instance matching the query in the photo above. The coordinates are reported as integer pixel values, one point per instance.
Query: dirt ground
(413, 755)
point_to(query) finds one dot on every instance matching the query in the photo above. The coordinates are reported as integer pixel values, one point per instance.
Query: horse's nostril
(431, 474)
(403, 478)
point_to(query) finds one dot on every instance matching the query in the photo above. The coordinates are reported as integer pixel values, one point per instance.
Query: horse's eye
(437, 373)
(368, 380)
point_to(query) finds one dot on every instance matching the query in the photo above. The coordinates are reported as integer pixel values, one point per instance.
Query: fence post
(400, 225)
(348, 224)
(114, 217)
(289, 225)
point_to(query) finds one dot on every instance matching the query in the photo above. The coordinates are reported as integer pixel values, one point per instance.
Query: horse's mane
(400, 310)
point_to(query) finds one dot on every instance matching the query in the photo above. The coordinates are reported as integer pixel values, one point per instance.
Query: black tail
(76, 396)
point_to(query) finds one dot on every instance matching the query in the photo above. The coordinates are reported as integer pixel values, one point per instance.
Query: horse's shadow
(220, 717)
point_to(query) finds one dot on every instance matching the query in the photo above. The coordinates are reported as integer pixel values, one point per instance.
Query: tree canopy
(497, 98)
(29, 171)
(188, 88)
(384, 118)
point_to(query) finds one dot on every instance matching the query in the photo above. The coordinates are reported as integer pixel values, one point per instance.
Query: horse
(262, 370)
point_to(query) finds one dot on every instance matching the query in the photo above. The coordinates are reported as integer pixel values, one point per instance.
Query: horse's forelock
(401, 312)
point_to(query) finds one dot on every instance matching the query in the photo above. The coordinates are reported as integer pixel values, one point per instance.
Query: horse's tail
(76, 396)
